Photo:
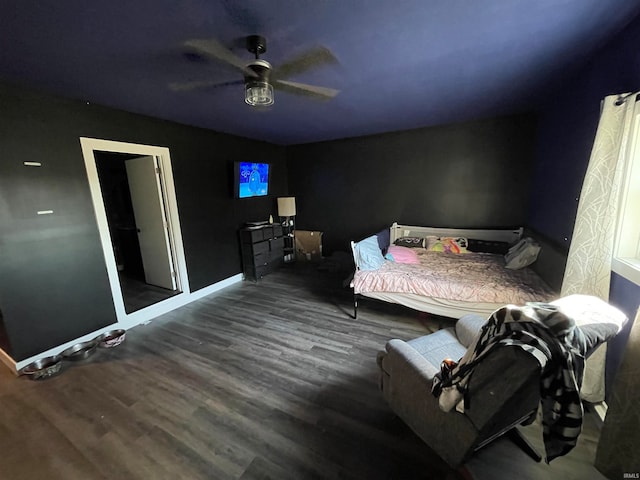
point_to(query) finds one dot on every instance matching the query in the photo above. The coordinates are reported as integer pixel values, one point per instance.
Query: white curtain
(588, 269)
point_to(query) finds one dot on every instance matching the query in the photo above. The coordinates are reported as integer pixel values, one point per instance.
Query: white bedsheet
(437, 306)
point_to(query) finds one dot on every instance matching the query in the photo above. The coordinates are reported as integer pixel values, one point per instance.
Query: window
(626, 257)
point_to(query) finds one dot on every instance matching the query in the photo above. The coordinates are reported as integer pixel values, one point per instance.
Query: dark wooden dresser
(262, 250)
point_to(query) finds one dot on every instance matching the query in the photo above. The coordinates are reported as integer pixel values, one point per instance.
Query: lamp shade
(287, 206)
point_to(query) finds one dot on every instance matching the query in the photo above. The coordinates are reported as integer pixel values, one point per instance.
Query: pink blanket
(470, 277)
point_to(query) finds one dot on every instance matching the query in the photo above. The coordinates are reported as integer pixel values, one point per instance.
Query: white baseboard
(601, 409)
(203, 292)
(142, 316)
(8, 361)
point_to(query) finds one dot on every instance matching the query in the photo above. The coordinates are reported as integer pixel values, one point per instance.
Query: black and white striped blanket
(558, 345)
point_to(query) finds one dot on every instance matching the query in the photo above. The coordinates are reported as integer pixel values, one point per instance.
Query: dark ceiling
(401, 63)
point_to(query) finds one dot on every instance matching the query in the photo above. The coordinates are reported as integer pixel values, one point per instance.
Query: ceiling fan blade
(201, 84)
(215, 49)
(304, 89)
(313, 58)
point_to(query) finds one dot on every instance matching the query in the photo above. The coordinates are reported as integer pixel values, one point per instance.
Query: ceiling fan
(260, 78)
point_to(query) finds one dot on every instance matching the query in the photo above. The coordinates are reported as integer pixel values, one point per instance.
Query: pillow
(522, 254)
(454, 245)
(384, 239)
(598, 320)
(402, 254)
(596, 334)
(411, 242)
(367, 254)
(447, 244)
(487, 246)
(435, 245)
(431, 241)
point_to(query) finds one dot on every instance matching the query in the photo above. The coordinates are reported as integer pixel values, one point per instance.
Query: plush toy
(450, 245)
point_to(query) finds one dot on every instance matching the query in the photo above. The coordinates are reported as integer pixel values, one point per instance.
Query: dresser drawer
(277, 244)
(260, 258)
(257, 272)
(261, 247)
(251, 236)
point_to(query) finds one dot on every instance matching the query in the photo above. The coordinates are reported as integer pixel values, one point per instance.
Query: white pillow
(522, 254)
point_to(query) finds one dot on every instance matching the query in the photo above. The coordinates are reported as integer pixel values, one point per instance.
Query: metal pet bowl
(43, 368)
(80, 351)
(111, 339)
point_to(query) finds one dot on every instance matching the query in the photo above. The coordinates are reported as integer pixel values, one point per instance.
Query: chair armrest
(468, 327)
(406, 378)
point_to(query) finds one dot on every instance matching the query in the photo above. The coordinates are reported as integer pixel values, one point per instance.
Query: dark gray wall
(53, 280)
(568, 124)
(465, 175)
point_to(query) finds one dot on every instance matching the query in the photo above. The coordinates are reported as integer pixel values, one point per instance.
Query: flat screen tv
(251, 179)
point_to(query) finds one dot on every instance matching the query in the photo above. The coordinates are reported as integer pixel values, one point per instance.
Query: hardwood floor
(268, 380)
(137, 294)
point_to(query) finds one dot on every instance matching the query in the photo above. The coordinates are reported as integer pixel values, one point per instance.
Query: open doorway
(136, 218)
(134, 200)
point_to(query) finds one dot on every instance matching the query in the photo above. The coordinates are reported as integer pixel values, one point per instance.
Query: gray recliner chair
(503, 392)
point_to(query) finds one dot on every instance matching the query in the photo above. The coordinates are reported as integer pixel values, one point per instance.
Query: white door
(153, 233)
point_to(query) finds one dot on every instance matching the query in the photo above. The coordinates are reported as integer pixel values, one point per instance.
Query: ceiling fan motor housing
(258, 91)
(261, 68)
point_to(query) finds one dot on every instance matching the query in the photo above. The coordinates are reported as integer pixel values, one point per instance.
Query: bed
(448, 284)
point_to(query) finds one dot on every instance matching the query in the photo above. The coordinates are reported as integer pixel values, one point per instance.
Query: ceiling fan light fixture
(258, 94)
(258, 91)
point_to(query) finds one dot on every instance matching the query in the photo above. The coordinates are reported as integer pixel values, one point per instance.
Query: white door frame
(127, 320)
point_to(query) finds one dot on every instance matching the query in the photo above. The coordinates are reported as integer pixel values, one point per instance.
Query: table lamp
(287, 209)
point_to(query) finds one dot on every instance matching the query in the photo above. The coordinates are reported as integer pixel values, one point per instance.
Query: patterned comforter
(470, 277)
